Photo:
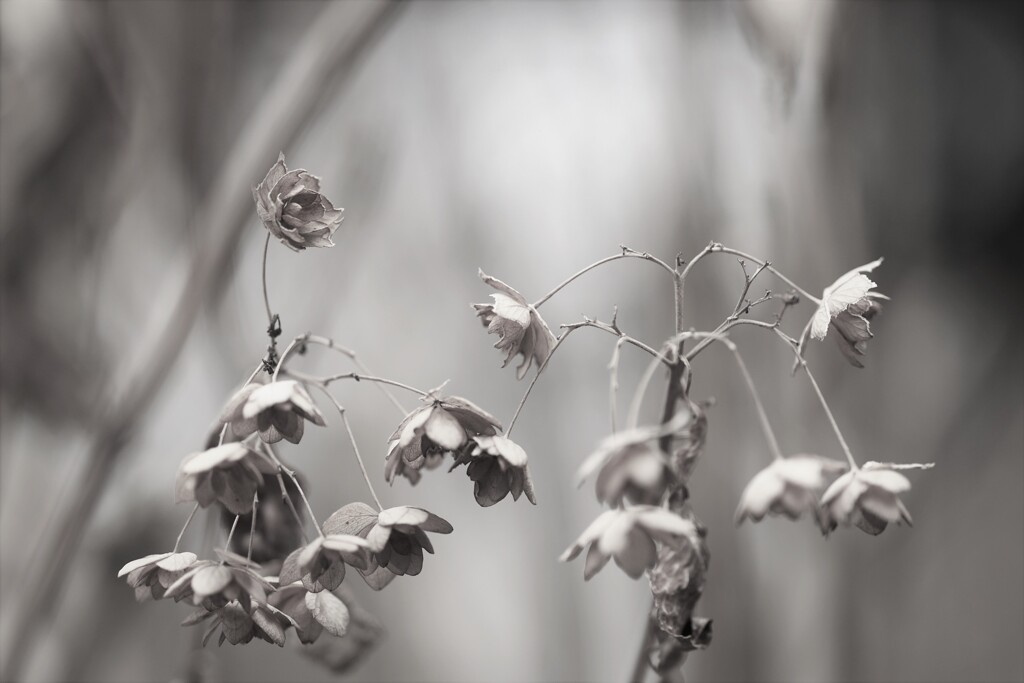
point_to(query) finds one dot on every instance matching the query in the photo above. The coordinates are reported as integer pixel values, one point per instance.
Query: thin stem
(721, 249)
(188, 521)
(292, 345)
(831, 418)
(266, 299)
(641, 389)
(291, 505)
(298, 487)
(613, 382)
(352, 439)
(558, 342)
(227, 543)
(252, 527)
(380, 380)
(626, 253)
(611, 329)
(351, 355)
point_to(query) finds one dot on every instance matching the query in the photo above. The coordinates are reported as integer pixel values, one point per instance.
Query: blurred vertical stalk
(335, 43)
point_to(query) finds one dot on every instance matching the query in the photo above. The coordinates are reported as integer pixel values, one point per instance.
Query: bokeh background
(528, 139)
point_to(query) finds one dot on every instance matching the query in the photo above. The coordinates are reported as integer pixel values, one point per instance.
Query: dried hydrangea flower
(229, 474)
(397, 538)
(497, 466)
(239, 624)
(429, 432)
(788, 486)
(869, 497)
(320, 564)
(628, 536)
(214, 584)
(291, 207)
(520, 328)
(277, 411)
(150, 576)
(631, 464)
(848, 304)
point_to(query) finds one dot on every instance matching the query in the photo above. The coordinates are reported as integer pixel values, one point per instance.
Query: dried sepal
(276, 411)
(520, 329)
(150, 576)
(868, 498)
(497, 466)
(788, 486)
(229, 474)
(364, 631)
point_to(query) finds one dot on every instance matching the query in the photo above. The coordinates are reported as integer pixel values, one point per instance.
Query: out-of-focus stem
(188, 521)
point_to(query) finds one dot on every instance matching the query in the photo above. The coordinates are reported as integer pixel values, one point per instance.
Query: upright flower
(788, 486)
(150, 576)
(520, 329)
(869, 497)
(497, 466)
(628, 536)
(291, 207)
(277, 411)
(229, 474)
(443, 426)
(847, 305)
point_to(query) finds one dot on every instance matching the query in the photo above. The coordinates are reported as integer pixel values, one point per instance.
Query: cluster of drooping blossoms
(280, 570)
(642, 473)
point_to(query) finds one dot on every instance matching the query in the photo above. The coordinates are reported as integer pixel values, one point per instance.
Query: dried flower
(291, 599)
(213, 585)
(788, 486)
(430, 431)
(150, 576)
(497, 466)
(364, 630)
(396, 537)
(320, 565)
(291, 207)
(519, 327)
(628, 536)
(230, 474)
(631, 464)
(869, 497)
(277, 411)
(239, 624)
(848, 304)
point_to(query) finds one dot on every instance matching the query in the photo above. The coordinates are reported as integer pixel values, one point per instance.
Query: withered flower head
(320, 565)
(628, 536)
(312, 613)
(277, 411)
(520, 328)
(497, 466)
(240, 624)
(631, 464)
(847, 305)
(869, 497)
(214, 584)
(396, 537)
(229, 474)
(291, 207)
(443, 426)
(150, 576)
(788, 486)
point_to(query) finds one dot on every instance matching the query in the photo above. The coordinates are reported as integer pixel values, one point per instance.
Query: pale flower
(788, 486)
(320, 564)
(150, 576)
(497, 466)
(631, 465)
(229, 474)
(848, 305)
(520, 328)
(277, 411)
(869, 497)
(628, 536)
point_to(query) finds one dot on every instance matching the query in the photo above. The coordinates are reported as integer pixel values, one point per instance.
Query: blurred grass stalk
(335, 44)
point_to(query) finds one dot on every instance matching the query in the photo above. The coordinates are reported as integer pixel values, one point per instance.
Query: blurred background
(527, 139)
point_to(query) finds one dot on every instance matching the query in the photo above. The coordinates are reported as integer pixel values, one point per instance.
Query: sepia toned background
(528, 139)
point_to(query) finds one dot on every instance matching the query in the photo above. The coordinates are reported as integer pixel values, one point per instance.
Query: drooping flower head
(150, 576)
(497, 466)
(291, 207)
(628, 536)
(277, 411)
(426, 434)
(520, 328)
(848, 305)
(396, 536)
(239, 624)
(320, 564)
(312, 613)
(215, 584)
(869, 497)
(788, 486)
(631, 464)
(229, 474)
